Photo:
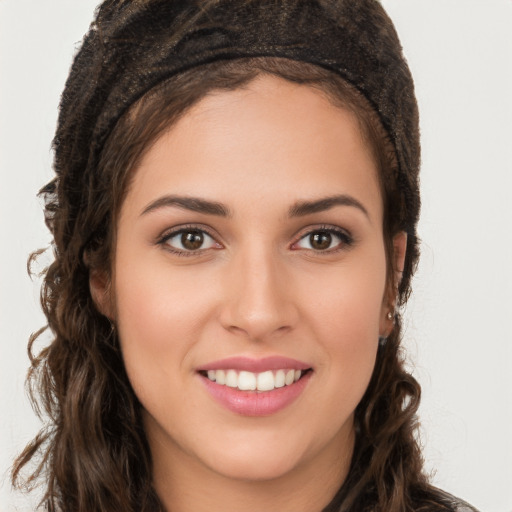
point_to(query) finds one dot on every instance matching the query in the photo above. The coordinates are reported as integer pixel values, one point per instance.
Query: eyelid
(346, 238)
(176, 230)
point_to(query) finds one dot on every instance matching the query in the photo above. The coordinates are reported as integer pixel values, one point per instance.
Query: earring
(111, 338)
(390, 315)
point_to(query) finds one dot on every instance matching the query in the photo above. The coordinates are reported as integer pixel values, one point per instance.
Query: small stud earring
(390, 315)
(112, 335)
(382, 341)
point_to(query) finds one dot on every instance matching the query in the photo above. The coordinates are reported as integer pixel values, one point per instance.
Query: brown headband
(133, 45)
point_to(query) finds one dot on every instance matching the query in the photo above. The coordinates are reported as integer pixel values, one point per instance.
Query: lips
(255, 387)
(256, 365)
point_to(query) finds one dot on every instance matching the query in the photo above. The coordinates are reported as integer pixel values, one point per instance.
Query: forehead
(272, 138)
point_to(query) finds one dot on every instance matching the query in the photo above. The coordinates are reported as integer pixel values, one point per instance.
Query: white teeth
(265, 381)
(249, 381)
(246, 381)
(231, 379)
(279, 381)
(220, 376)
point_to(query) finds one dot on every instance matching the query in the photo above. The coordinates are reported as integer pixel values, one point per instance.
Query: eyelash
(345, 239)
(164, 239)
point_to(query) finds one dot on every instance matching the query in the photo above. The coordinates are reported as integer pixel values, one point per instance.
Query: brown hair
(141, 66)
(94, 454)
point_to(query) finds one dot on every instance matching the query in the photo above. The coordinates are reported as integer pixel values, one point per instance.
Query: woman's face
(249, 252)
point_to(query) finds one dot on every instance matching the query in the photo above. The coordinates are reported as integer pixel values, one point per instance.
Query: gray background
(458, 323)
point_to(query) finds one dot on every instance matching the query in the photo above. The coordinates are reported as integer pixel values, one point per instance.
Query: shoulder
(452, 503)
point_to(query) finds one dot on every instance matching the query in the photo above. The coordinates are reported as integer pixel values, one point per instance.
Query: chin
(264, 453)
(236, 466)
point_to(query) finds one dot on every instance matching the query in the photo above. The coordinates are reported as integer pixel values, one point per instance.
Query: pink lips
(255, 403)
(255, 365)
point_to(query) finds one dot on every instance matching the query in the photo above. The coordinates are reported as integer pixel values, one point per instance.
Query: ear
(389, 303)
(399, 250)
(99, 286)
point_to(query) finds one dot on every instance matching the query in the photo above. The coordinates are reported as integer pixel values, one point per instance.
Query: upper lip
(248, 364)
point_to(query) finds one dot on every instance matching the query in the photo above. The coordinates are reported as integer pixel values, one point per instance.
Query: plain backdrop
(458, 322)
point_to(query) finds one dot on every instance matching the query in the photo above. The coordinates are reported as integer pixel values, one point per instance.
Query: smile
(250, 381)
(255, 387)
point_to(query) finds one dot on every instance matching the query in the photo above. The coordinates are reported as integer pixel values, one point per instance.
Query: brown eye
(320, 241)
(189, 240)
(192, 240)
(324, 240)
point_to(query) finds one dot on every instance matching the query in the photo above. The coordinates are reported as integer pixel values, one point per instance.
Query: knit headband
(133, 45)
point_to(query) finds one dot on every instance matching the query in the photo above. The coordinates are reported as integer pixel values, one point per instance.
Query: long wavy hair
(92, 455)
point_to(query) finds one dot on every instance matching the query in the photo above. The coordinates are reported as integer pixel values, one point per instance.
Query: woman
(234, 218)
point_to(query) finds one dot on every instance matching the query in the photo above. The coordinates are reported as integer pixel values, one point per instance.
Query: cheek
(163, 314)
(155, 319)
(346, 304)
(346, 319)
(155, 302)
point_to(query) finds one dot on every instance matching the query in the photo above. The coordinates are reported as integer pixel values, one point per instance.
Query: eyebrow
(299, 209)
(303, 208)
(194, 204)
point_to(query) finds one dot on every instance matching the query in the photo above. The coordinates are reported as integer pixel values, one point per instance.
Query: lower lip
(256, 403)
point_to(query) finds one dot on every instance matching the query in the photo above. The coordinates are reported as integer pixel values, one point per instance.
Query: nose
(258, 302)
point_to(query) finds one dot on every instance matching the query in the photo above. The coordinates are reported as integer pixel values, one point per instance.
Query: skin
(256, 288)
